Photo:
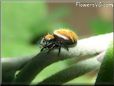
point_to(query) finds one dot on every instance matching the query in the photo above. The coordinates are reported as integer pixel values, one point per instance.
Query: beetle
(60, 38)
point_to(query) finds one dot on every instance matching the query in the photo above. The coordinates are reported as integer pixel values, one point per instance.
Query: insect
(60, 38)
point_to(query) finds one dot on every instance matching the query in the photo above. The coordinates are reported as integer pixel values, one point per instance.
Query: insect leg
(42, 49)
(59, 50)
(66, 48)
(51, 48)
(59, 45)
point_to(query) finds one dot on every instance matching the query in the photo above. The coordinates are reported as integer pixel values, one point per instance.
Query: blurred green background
(25, 23)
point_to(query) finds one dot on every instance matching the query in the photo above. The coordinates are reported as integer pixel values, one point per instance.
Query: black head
(47, 41)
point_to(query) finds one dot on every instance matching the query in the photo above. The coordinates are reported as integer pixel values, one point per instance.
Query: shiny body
(60, 38)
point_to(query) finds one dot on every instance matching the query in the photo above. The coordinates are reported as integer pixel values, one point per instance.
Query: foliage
(106, 72)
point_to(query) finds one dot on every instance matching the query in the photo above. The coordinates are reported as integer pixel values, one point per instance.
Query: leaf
(8, 76)
(106, 72)
(73, 71)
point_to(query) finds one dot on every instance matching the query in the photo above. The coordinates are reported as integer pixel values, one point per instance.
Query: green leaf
(106, 72)
(33, 67)
(71, 72)
(8, 76)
